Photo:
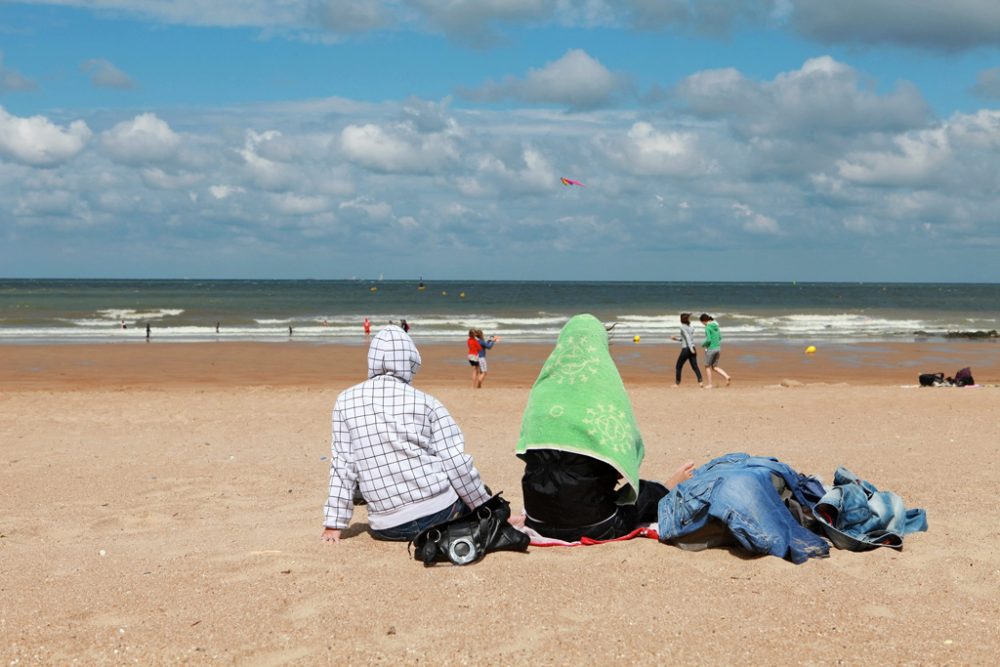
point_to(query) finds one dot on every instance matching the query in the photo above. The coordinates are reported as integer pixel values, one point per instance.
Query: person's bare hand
(330, 535)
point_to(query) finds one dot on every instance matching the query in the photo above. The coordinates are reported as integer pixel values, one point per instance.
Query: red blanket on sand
(539, 540)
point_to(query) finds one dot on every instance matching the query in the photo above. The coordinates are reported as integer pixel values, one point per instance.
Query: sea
(94, 311)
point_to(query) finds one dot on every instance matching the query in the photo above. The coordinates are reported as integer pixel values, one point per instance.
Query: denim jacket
(857, 516)
(737, 490)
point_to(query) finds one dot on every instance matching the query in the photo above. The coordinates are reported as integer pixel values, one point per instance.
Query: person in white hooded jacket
(401, 447)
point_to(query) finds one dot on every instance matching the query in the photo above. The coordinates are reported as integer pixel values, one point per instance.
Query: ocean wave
(175, 324)
(131, 315)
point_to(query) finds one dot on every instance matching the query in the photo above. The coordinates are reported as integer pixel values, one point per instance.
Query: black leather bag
(467, 538)
(931, 379)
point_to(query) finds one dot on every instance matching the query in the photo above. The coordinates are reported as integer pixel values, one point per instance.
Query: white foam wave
(131, 315)
(537, 326)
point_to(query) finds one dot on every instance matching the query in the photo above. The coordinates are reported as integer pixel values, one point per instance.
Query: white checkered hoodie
(399, 444)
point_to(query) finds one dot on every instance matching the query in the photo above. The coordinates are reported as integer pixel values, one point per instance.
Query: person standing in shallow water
(367, 326)
(713, 348)
(689, 353)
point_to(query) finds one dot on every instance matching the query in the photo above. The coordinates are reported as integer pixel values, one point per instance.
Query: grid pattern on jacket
(400, 444)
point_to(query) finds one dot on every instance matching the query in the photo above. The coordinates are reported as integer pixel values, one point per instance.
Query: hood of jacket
(393, 353)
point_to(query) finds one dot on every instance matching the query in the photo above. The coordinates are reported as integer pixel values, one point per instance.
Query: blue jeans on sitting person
(405, 532)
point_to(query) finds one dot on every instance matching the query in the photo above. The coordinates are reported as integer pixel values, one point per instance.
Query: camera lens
(462, 551)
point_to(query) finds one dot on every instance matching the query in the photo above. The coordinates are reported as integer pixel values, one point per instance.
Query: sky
(717, 140)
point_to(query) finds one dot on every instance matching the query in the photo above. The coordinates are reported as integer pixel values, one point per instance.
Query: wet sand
(161, 504)
(174, 365)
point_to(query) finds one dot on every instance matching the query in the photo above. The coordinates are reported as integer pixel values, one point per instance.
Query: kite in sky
(570, 181)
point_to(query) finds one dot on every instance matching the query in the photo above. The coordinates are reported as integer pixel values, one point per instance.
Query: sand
(161, 504)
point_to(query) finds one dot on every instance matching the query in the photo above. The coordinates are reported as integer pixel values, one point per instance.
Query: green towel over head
(578, 404)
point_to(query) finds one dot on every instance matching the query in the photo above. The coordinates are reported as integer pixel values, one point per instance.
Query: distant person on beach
(124, 326)
(148, 331)
(217, 327)
(579, 440)
(404, 326)
(289, 329)
(367, 326)
(473, 346)
(713, 348)
(401, 447)
(689, 353)
(484, 345)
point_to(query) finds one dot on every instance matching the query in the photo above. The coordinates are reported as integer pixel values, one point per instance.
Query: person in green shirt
(713, 348)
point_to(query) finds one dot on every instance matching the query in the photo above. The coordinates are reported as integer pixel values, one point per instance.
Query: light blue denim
(857, 516)
(736, 489)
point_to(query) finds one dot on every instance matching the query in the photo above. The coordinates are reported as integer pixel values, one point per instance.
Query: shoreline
(512, 364)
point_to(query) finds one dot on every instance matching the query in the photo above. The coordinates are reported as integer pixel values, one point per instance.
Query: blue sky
(733, 140)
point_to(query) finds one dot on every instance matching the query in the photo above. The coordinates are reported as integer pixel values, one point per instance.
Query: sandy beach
(161, 504)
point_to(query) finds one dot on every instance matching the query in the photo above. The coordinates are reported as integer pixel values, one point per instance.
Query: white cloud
(157, 178)
(105, 75)
(59, 203)
(398, 148)
(646, 151)
(289, 203)
(376, 210)
(268, 174)
(38, 142)
(823, 96)
(143, 139)
(859, 224)
(575, 80)
(958, 152)
(527, 171)
(224, 191)
(912, 161)
(412, 178)
(756, 223)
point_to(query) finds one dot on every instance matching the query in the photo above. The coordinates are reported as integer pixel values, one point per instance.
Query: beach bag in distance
(931, 379)
(963, 378)
(466, 539)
